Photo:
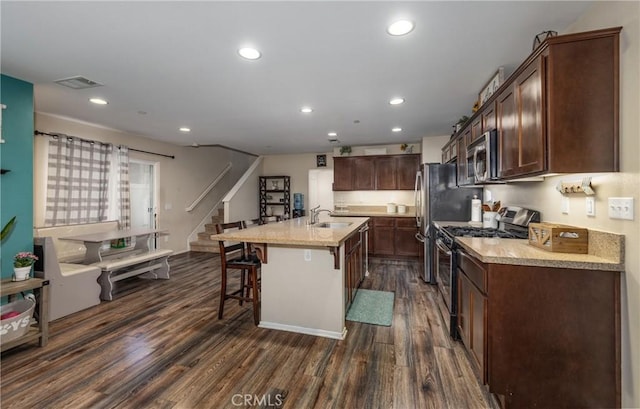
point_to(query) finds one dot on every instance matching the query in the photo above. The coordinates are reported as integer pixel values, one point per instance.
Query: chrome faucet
(315, 213)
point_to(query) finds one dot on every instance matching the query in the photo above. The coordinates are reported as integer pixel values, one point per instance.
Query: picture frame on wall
(321, 161)
(491, 86)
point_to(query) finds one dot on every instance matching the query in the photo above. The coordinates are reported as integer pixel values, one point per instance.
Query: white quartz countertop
(296, 232)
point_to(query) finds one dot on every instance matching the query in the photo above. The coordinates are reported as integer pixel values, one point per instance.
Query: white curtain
(77, 181)
(87, 182)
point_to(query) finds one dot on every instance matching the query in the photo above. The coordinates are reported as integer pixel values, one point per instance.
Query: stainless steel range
(514, 224)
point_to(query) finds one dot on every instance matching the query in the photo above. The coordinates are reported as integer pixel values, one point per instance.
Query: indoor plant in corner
(22, 263)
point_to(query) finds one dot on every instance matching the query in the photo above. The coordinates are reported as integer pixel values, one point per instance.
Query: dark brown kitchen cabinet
(463, 174)
(488, 117)
(393, 237)
(520, 129)
(386, 171)
(560, 114)
(364, 173)
(407, 166)
(542, 336)
(472, 312)
(379, 172)
(476, 128)
(406, 243)
(343, 170)
(384, 236)
(354, 266)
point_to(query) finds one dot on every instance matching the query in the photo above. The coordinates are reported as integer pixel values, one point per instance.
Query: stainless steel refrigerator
(438, 197)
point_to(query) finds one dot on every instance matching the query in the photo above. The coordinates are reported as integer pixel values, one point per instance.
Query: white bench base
(154, 264)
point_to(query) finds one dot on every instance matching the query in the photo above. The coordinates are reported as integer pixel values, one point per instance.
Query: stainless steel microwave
(482, 158)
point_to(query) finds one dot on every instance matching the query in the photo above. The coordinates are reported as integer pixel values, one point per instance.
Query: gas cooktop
(469, 231)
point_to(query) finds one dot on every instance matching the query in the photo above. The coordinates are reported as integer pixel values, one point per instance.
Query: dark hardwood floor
(159, 344)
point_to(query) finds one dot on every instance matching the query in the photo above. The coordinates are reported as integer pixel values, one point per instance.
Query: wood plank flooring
(159, 344)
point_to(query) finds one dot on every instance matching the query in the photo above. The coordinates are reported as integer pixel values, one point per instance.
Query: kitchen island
(303, 273)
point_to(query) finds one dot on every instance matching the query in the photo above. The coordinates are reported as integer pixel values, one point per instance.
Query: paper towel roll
(476, 209)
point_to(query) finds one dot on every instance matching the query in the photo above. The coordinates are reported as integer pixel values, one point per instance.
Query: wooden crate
(559, 238)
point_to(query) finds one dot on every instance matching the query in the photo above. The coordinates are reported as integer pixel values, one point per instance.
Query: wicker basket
(559, 238)
(15, 327)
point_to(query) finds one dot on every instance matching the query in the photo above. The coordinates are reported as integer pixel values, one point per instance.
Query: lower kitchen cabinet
(393, 236)
(542, 336)
(354, 266)
(383, 236)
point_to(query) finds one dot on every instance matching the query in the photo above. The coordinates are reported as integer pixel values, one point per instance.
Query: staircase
(204, 243)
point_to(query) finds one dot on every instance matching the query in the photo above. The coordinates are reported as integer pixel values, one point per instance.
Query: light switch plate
(590, 204)
(621, 208)
(564, 205)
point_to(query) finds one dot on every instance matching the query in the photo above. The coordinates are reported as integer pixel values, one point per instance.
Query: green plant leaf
(7, 228)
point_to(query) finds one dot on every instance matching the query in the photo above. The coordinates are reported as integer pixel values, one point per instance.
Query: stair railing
(208, 188)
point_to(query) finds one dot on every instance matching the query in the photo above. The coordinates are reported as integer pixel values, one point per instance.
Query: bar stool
(245, 264)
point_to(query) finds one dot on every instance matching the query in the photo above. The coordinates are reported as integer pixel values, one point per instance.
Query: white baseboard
(304, 330)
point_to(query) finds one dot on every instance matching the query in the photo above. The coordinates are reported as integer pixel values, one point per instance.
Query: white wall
(432, 148)
(542, 196)
(182, 179)
(296, 166)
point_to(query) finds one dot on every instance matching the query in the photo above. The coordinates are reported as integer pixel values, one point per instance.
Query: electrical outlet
(564, 205)
(307, 255)
(590, 204)
(621, 208)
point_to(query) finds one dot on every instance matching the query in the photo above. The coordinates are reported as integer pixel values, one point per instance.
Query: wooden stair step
(207, 246)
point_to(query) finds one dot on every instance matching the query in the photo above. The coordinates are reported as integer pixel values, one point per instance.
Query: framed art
(492, 86)
(321, 161)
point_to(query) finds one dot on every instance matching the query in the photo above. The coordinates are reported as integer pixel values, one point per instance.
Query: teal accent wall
(16, 154)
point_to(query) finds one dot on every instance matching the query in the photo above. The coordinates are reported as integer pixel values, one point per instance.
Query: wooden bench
(113, 264)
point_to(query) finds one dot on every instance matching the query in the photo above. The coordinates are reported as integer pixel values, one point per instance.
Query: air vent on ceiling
(78, 82)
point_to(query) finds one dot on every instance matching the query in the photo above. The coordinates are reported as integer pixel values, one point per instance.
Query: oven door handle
(442, 247)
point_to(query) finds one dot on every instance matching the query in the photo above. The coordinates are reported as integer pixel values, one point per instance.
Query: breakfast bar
(303, 273)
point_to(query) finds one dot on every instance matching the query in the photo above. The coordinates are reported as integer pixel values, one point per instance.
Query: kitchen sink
(333, 225)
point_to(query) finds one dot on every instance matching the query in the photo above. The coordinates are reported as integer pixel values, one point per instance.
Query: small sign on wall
(321, 161)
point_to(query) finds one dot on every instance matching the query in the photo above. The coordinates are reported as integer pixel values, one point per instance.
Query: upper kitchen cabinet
(520, 131)
(559, 111)
(376, 172)
(343, 173)
(363, 175)
(463, 171)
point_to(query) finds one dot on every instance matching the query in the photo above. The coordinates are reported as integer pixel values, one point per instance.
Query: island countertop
(296, 232)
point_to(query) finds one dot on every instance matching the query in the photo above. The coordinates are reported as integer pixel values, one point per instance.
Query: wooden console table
(41, 288)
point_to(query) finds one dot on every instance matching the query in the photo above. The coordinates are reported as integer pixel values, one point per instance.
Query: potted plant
(406, 148)
(22, 263)
(345, 150)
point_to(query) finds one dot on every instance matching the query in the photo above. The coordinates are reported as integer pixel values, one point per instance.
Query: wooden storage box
(559, 238)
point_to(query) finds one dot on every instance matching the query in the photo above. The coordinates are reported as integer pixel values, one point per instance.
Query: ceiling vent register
(78, 82)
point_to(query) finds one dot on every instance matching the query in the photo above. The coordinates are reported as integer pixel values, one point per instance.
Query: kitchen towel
(372, 307)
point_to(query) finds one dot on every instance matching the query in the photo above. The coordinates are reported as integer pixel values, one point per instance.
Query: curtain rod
(58, 135)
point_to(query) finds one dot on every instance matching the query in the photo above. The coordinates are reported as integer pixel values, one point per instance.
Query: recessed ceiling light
(306, 110)
(396, 101)
(98, 101)
(396, 129)
(185, 129)
(400, 28)
(249, 53)
(332, 134)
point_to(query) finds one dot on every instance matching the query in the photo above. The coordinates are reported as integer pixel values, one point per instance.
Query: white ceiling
(177, 62)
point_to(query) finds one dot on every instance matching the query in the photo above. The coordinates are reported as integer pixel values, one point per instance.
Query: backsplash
(377, 197)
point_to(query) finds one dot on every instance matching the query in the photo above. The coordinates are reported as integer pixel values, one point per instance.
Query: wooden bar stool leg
(256, 295)
(242, 285)
(223, 292)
